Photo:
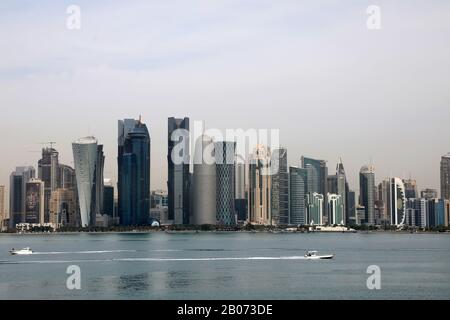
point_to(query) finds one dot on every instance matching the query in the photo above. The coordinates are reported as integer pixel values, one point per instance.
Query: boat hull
(320, 257)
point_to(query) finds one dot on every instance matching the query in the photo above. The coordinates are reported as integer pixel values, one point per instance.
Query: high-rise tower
(280, 188)
(367, 193)
(17, 193)
(134, 173)
(445, 177)
(48, 172)
(225, 157)
(88, 159)
(204, 182)
(178, 160)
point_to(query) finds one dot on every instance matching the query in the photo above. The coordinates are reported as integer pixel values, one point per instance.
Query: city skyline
(355, 187)
(317, 65)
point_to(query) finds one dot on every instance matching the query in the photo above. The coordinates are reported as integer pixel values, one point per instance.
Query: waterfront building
(35, 201)
(108, 198)
(351, 208)
(317, 178)
(416, 212)
(134, 172)
(160, 207)
(383, 201)
(17, 193)
(225, 170)
(447, 213)
(159, 199)
(360, 215)
(445, 177)
(337, 184)
(280, 188)
(436, 213)
(367, 196)
(88, 159)
(204, 182)
(63, 208)
(397, 202)
(179, 182)
(298, 179)
(48, 172)
(240, 198)
(335, 208)
(2, 207)
(260, 186)
(315, 209)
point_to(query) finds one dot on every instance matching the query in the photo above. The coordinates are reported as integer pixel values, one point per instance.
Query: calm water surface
(225, 266)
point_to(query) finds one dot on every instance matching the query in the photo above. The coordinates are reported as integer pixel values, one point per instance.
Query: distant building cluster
(227, 191)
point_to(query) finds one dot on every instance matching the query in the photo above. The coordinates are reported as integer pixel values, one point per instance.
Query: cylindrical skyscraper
(204, 184)
(225, 157)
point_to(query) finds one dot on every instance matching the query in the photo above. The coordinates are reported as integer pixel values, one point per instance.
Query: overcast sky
(309, 68)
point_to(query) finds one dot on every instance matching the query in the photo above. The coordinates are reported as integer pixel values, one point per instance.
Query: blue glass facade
(298, 186)
(134, 176)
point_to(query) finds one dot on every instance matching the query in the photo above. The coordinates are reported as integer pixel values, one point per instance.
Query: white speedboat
(23, 251)
(312, 255)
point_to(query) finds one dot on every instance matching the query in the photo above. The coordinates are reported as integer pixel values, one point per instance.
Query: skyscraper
(280, 188)
(108, 198)
(367, 196)
(337, 184)
(260, 186)
(397, 202)
(35, 201)
(17, 193)
(298, 180)
(445, 177)
(48, 173)
(134, 173)
(417, 212)
(342, 189)
(335, 207)
(382, 203)
(317, 178)
(315, 209)
(436, 213)
(204, 183)
(225, 157)
(86, 152)
(351, 207)
(240, 199)
(2, 206)
(178, 183)
(99, 181)
(410, 188)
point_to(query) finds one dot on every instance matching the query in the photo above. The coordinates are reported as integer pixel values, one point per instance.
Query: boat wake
(156, 260)
(81, 252)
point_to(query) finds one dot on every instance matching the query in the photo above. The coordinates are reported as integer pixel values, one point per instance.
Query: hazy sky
(310, 68)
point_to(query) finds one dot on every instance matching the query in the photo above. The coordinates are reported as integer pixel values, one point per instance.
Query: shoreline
(221, 232)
